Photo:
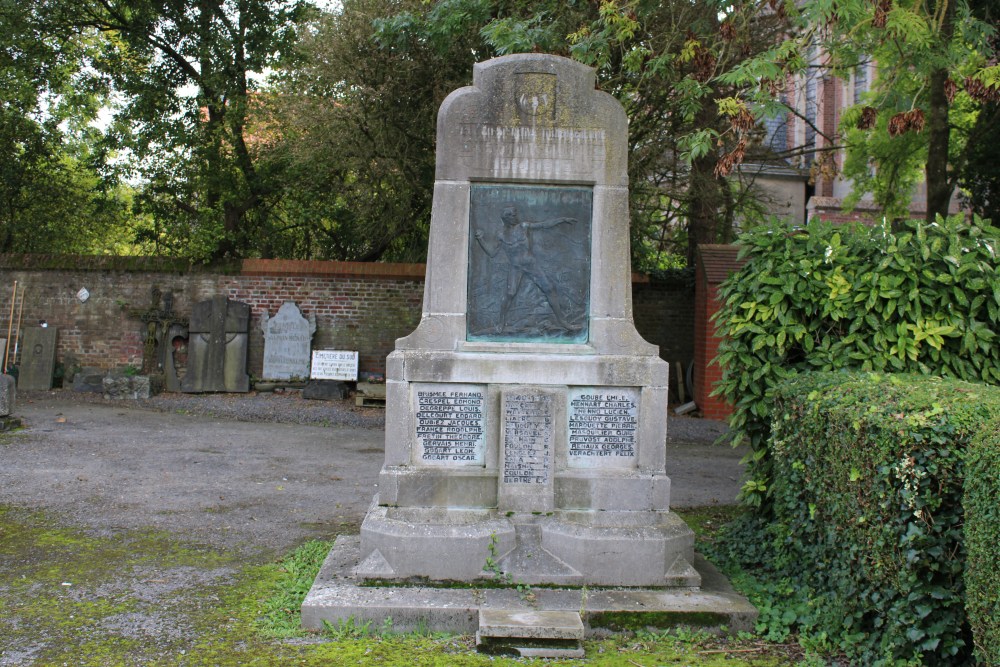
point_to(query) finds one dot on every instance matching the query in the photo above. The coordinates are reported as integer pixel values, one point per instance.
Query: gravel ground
(286, 407)
(267, 469)
(246, 476)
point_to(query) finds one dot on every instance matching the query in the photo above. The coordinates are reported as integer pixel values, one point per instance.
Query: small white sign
(334, 365)
(83, 295)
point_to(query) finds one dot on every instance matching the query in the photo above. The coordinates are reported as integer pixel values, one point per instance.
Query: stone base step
(337, 596)
(369, 401)
(530, 633)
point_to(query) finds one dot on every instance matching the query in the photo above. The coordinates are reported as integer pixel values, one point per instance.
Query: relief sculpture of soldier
(515, 239)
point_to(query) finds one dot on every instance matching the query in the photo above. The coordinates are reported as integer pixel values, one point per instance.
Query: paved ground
(257, 484)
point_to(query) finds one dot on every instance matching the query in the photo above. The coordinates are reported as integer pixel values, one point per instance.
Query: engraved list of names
(602, 426)
(527, 441)
(450, 424)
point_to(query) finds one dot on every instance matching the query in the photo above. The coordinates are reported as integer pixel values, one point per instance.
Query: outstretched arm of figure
(546, 224)
(482, 244)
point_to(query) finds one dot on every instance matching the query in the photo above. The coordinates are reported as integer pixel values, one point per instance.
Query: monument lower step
(530, 633)
(338, 595)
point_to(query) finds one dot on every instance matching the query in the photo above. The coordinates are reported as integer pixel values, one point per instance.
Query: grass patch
(148, 598)
(292, 578)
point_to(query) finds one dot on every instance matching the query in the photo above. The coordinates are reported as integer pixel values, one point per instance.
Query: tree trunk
(938, 183)
(705, 205)
(939, 186)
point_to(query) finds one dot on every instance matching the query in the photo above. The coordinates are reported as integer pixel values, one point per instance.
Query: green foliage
(982, 537)
(980, 176)
(925, 57)
(867, 492)
(180, 82)
(52, 195)
(296, 572)
(357, 117)
(925, 299)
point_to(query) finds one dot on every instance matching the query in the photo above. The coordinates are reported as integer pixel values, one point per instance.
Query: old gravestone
(287, 343)
(526, 418)
(217, 347)
(38, 359)
(8, 395)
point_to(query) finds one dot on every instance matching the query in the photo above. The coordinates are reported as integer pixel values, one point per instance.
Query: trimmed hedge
(866, 542)
(982, 542)
(924, 299)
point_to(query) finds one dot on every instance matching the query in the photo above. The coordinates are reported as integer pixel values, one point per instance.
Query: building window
(860, 82)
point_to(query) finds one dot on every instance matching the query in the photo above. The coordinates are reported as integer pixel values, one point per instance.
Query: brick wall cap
(718, 261)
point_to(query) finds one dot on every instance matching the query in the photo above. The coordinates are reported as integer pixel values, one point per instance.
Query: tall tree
(376, 84)
(357, 119)
(52, 198)
(183, 71)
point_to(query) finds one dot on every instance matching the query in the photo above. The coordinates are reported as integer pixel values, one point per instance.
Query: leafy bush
(982, 542)
(864, 552)
(925, 299)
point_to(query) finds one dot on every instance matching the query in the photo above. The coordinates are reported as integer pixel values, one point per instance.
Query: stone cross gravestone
(526, 418)
(218, 336)
(287, 343)
(38, 359)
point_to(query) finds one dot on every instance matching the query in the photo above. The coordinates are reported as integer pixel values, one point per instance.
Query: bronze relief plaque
(529, 263)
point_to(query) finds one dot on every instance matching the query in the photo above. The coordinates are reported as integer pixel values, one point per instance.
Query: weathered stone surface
(531, 624)
(120, 387)
(8, 395)
(217, 347)
(337, 595)
(526, 418)
(89, 380)
(531, 634)
(38, 359)
(287, 343)
(325, 390)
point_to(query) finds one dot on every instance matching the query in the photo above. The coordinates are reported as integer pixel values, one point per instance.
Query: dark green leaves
(922, 300)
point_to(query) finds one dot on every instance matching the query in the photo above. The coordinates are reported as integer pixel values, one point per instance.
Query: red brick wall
(714, 263)
(706, 346)
(358, 306)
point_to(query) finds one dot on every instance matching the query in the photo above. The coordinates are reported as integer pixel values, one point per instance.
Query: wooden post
(17, 330)
(10, 324)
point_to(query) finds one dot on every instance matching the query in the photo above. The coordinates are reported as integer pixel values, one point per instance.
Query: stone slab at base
(336, 597)
(530, 633)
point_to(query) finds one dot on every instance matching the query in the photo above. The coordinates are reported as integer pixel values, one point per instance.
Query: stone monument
(287, 343)
(525, 409)
(525, 417)
(217, 347)
(163, 328)
(38, 359)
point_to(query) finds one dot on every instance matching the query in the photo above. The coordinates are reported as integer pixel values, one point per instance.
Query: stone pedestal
(526, 418)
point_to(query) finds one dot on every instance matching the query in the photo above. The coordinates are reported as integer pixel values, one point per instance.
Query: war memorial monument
(526, 419)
